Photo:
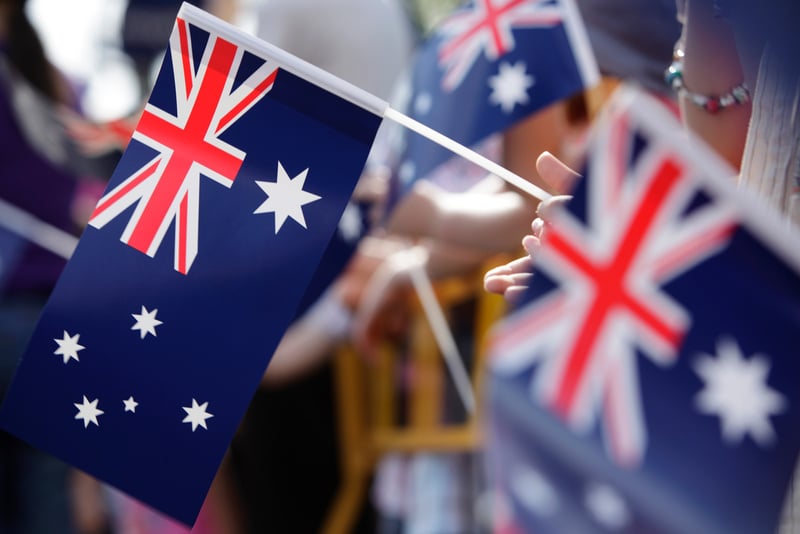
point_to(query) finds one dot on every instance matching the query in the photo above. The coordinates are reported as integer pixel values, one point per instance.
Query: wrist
(712, 103)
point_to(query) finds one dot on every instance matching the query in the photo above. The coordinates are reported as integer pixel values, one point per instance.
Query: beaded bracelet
(740, 94)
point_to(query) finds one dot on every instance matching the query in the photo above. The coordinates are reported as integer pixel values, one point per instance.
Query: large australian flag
(193, 264)
(486, 66)
(648, 380)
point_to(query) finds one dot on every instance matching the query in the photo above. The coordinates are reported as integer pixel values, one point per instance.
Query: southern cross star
(88, 411)
(68, 347)
(286, 198)
(197, 415)
(146, 322)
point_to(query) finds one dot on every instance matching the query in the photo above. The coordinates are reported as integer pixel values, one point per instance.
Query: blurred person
(739, 85)
(707, 64)
(40, 174)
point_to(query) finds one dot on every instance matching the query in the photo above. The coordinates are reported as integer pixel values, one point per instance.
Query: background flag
(647, 383)
(194, 262)
(488, 65)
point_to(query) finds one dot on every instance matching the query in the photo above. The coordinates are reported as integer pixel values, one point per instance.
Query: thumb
(553, 171)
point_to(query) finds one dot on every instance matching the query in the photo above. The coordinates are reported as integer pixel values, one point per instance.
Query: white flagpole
(444, 338)
(414, 260)
(411, 262)
(37, 231)
(457, 148)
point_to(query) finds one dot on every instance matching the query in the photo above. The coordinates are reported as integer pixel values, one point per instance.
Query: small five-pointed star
(130, 404)
(286, 198)
(146, 322)
(197, 415)
(736, 390)
(88, 411)
(68, 347)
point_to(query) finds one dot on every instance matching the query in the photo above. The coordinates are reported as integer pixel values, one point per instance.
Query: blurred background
(83, 39)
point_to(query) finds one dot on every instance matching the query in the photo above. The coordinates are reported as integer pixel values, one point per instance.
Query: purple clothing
(35, 185)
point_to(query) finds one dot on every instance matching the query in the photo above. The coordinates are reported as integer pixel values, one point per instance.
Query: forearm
(446, 259)
(712, 66)
(489, 222)
(309, 341)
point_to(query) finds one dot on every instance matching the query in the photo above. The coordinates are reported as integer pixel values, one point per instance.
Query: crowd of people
(730, 77)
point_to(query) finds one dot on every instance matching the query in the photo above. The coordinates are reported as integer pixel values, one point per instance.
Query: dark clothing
(35, 185)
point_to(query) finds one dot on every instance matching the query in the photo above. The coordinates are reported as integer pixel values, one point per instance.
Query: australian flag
(648, 380)
(193, 264)
(488, 65)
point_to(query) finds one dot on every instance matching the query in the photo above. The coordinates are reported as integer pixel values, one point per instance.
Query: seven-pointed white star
(68, 347)
(510, 86)
(735, 389)
(286, 198)
(146, 322)
(130, 404)
(88, 411)
(197, 415)
(350, 225)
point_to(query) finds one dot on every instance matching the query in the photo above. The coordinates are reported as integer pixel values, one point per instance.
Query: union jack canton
(654, 346)
(188, 143)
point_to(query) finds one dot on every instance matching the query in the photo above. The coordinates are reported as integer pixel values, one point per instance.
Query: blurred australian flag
(193, 265)
(648, 380)
(486, 66)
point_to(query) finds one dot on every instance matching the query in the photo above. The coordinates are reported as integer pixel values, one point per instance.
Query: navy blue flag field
(485, 67)
(647, 382)
(193, 265)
